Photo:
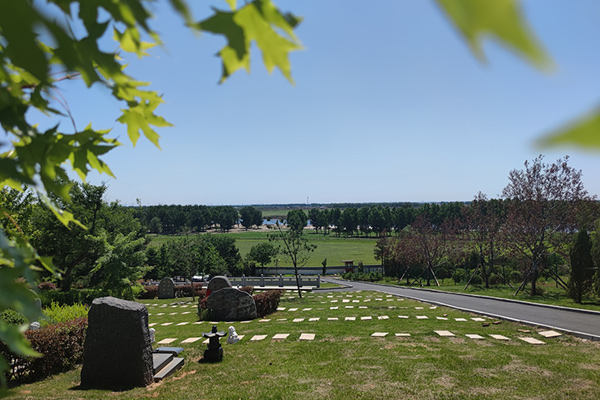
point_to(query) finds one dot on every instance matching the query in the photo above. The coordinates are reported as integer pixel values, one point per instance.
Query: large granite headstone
(218, 283)
(231, 304)
(166, 289)
(117, 351)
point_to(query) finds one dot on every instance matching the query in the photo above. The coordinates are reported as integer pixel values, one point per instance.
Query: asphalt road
(581, 323)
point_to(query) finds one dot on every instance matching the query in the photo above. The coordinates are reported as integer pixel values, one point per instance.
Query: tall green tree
(582, 266)
(296, 220)
(263, 253)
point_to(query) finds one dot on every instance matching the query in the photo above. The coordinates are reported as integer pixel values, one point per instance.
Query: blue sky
(388, 105)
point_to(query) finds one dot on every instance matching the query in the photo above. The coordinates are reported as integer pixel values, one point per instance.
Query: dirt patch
(351, 339)
(592, 367)
(445, 381)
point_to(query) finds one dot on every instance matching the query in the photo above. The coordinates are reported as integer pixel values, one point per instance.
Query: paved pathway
(583, 324)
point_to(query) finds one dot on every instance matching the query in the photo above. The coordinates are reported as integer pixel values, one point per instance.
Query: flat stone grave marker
(422, 317)
(366, 318)
(197, 322)
(356, 301)
(442, 318)
(313, 319)
(173, 313)
(166, 324)
(298, 320)
(418, 308)
(345, 301)
(403, 316)
(167, 341)
(362, 307)
(333, 308)
(191, 340)
(245, 322)
(392, 307)
(281, 336)
(281, 319)
(307, 309)
(257, 338)
(293, 309)
(390, 300)
(182, 323)
(460, 319)
(379, 299)
(334, 301)
(383, 317)
(402, 334)
(264, 320)
(433, 307)
(445, 333)
(350, 318)
(550, 334)
(367, 300)
(332, 319)
(185, 313)
(531, 340)
(499, 337)
(380, 334)
(478, 319)
(474, 336)
(152, 324)
(161, 313)
(280, 308)
(307, 336)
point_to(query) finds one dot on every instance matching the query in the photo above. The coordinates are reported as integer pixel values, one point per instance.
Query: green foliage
(296, 220)
(62, 348)
(263, 253)
(71, 297)
(56, 313)
(11, 317)
(581, 266)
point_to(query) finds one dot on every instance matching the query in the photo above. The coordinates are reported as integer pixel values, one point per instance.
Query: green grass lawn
(552, 295)
(345, 362)
(335, 249)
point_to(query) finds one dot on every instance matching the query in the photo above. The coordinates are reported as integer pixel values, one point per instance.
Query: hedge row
(61, 346)
(267, 302)
(151, 291)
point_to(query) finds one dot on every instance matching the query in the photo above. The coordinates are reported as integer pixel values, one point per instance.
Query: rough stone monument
(217, 283)
(166, 289)
(117, 351)
(231, 304)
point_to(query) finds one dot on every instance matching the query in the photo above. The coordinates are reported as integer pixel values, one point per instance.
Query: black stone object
(117, 351)
(170, 350)
(214, 352)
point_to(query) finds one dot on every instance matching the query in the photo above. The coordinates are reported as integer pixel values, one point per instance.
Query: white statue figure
(233, 336)
(152, 330)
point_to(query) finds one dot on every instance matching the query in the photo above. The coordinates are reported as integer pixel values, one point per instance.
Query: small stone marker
(524, 330)
(307, 336)
(298, 320)
(182, 323)
(402, 334)
(313, 319)
(334, 301)
(280, 308)
(345, 301)
(173, 313)
(166, 289)
(366, 318)
(383, 317)
(356, 301)
(422, 317)
(531, 340)
(217, 283)
(152, 324)
(442, 318)
(550, 334)
(166, 324)
(478, 319)
(499, 337)
(403, 316)
(293, 309)
(264, 320)
(418, 308)
(380, 334)
(362, 307)
(190, 340)
(161, 313)
(349, 307)
(307, 309)
(281, 319)
(167, 341)
(460, 319)
(333, 319)
(257, 338)
(474, 336)
(197, 322)
(333, 308)
(350, 318)
(445, 333)
(281, 336)
(433, 307)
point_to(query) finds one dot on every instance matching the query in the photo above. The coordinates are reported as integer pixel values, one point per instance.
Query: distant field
(330, 247)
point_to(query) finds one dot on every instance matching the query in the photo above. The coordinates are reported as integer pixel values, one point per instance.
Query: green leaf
(259, 21)
(499, 19)
(232, 4)
(583, 132)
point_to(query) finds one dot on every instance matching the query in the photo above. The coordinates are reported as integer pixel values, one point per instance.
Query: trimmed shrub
(267, 302)
(458, 276)
(74, 296)
(56, 313)
(61, 346)
(150, 292)
(247, 289)
(12, 317)
(496, 279)
(46, 286)
(186, 290)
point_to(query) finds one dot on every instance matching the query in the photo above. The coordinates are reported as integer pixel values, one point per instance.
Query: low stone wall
(279, 281)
